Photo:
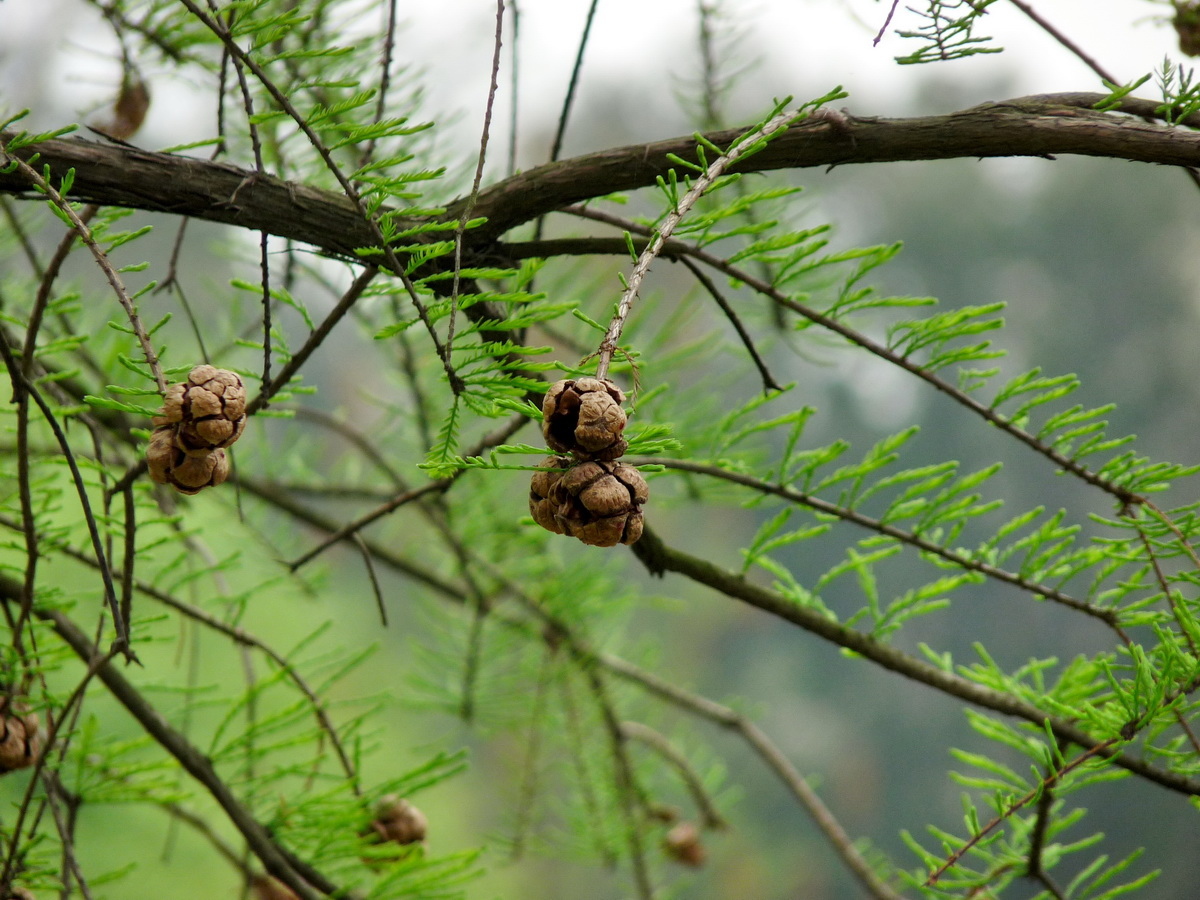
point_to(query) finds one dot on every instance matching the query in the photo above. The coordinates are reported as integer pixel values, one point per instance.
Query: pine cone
(20, 743)
(188, 474)
(600, 503)
(208, 410)
(583, 417)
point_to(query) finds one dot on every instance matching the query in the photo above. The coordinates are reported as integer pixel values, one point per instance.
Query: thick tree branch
(1043, 125)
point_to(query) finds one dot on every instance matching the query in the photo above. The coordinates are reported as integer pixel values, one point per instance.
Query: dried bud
(583, 416)
(683, 845)
(20, 743)
(208, 410)
(600, 503)
(188, 474)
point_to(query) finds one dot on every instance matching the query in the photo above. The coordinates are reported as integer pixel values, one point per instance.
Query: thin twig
(626, 781)
(661, 745)
(564, 114)
(554, 631)
(1043, 786)
(514, 87)
(385, 80)
(886, 23)
(408, 496)
(1036, 867)
(315, 340)
(957, 558)
(715, 169)
(350, 529)
(300, 877)
(774, 758)
(95, 662)
(46, 286)
(1066, 41)
(240, 637)
(768, 380)
(527, 790)
(110, 273)
(110, 595)
(372, 578)
(493, 85)
(389, 255)
(1088, 61)
(1126, 497)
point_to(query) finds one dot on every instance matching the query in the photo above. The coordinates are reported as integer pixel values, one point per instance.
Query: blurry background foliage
(537, 699)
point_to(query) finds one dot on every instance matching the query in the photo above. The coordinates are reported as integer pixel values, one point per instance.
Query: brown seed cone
(187, 473)
(541, 486)
(600, 503)
(682, 843)
(20, 743)
(1186, 22)
(397, 831)
(398, 821)
(208, 410)
(583, 417)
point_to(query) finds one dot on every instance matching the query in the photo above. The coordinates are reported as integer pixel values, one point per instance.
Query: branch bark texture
(1047, 125)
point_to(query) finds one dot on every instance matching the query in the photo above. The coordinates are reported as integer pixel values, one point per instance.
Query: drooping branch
(660, 558)
(1044, 125)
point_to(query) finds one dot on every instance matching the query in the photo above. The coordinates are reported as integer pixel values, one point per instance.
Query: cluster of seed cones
(584, 491)
(200, 418)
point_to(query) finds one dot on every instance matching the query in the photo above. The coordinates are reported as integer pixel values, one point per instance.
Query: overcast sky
(56, 56)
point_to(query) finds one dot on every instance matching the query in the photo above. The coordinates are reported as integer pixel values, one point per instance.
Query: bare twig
(301, 878)
(110, 273)
(514, 85)
(408, 496)
(715, 169)
(315, 340)
(768, 380)
(398, 268)
(110, 595)
(661, 745)
(94, 664)
(1088, 61)
(886, 22)
(493, 85)
(774, 758)
(626, 781)
(1124, 495)
(385, 79)
(957, 558)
